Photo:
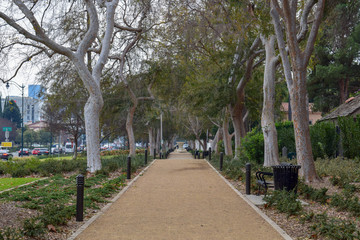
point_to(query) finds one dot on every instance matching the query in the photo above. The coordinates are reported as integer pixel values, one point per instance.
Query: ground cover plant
(333, 208)
(6, 183)
(52, 200)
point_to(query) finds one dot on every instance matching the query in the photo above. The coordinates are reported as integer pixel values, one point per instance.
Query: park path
(180, 198)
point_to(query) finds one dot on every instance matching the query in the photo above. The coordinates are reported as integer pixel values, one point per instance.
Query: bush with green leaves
(350, 132)
(347, 200)
(252, 146)
(340, 176)
(324, 140)
(284, 201)
(285, 133)
(318, 195)
(334, 228)
(11, 234)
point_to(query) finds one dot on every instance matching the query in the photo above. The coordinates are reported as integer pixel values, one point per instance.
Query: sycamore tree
(37, 26)
(294, 23)
(85, 32)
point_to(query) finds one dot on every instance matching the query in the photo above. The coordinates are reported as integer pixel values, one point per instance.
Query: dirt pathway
(180, 198)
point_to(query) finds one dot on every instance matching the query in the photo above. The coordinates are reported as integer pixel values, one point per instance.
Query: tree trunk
(75, 149)
(300, 115)
(271, 151)
(158, 141)
(227, 137)
(130, 130)
(151, 141)
(295, 64)
(216, 140)
(343, 86)
(238, 123)
(92, 115)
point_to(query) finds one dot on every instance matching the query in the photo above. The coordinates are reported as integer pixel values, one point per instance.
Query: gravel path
(180, 198)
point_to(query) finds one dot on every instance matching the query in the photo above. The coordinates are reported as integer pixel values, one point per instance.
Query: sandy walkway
(180, 198)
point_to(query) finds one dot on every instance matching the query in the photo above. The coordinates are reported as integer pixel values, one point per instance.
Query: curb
(265, 217)
(107, 206)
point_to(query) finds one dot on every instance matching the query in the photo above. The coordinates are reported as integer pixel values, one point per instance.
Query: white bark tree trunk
(151, 141)
(295, 65)
(92, 115)
(215, 140)
(130, 130)
(271, 151)
(227, 137)
(158, 141)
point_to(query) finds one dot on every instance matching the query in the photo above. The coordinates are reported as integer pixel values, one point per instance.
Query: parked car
(56, 148)
(69, 148)
(24, 152)
(4, 154)
(43, 151)
(40, 151)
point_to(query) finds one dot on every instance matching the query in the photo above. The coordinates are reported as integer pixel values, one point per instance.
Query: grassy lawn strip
(6, 183)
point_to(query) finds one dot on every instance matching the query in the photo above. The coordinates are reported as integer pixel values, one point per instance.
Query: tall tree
(12, 112)
(335, 67)
(39, 33)
(295, 63)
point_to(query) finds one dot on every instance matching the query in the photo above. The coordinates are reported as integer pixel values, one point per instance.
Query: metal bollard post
(248, 178)
(128, 172)
(154, 153)
(209, 154)
(221, 160)
(80, 198)
(145, 156)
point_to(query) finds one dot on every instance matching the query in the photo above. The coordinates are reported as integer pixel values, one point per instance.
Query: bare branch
(21, 64)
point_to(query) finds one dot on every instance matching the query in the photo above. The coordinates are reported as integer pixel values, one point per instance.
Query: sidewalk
(180, 198)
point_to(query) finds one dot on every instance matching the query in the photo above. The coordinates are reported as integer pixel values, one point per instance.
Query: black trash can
(286, 176)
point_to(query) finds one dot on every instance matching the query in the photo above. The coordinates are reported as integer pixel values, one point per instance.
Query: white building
(32, 108)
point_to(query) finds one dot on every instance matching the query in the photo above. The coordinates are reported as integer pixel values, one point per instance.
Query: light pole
(22, 87)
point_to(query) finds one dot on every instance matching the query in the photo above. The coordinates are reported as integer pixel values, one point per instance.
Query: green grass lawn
(6, 183)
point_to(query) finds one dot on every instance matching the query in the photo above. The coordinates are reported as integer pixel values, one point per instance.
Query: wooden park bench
(262, 182)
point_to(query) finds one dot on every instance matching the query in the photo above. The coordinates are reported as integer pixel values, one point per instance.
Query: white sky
(26, 76)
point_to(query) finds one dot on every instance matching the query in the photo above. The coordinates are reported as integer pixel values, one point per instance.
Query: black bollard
(221, 160)
(248, 178)
(145, 156)
(128, 172)
(209, 154)
(80, 198)
(154, 153)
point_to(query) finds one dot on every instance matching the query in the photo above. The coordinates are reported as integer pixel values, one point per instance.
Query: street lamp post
(22, 87)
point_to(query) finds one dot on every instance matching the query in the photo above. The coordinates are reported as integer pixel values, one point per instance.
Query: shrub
(324, 140)
(318, 195)
(284, 201)
(33, 227)
(350, 132)
(286, 138)
(56, 214)
(334, 228)
(253, 146)
(10, 234)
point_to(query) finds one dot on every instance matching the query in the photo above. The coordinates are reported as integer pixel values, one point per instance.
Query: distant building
(37, 126)
(36, 91)
(32, 108)
(313, 116)
(351, 107)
